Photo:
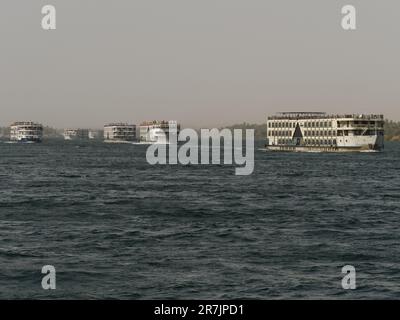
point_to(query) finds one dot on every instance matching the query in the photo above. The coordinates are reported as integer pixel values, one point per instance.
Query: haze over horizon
(205, 63)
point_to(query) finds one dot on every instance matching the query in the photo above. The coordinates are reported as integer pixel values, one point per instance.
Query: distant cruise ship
(119, 133)
(76, 134)
(157, 131)
(28, 132)
(318, 131)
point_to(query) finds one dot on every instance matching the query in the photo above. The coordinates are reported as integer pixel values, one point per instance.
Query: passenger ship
(76, 134)
(119, 133)
(28, 132)
(318, 131)
(157, 131)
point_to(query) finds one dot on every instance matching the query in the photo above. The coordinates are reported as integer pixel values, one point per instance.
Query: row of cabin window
(273, 133)
(317, 142)
(319, 133)
(329, 142)
(324, 124)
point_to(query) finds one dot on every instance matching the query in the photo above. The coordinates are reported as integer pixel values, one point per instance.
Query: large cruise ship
(28, 132)
(318, 131)
(157, 131)
(119, 133)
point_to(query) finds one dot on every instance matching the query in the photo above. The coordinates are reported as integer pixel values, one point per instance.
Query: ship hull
(28, 140)
(336, 149)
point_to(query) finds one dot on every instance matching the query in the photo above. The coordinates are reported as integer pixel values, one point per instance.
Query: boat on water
(76, 134)
(26, 132)
(119, 133)
(321, 132)
(157, 132)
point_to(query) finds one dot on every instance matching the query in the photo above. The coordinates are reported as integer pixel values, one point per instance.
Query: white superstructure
(76, 134)
(157, 131)
(119, 132)
(28, 132)
(318, 131)
(94, 134)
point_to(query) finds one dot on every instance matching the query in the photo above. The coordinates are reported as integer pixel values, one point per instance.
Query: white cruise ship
(119, 133)
(318, 131)
(157, 131)
(28, 132)
(76, 134)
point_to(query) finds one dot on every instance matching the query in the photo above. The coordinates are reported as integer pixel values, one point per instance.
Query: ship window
(346, 132)
(334, 141)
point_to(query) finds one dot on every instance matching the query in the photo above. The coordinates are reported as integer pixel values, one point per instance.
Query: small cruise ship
(76, 134)
(320, 132)
(119, 133)
(157, 131)
(27, 132)
(94, 134)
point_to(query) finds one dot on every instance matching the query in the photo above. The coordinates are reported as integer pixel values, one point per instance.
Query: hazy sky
(202, 62)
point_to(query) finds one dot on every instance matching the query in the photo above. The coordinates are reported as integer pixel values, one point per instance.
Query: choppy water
(116, 227)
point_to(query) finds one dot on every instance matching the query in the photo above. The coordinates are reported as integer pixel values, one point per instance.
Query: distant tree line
(392, 130)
